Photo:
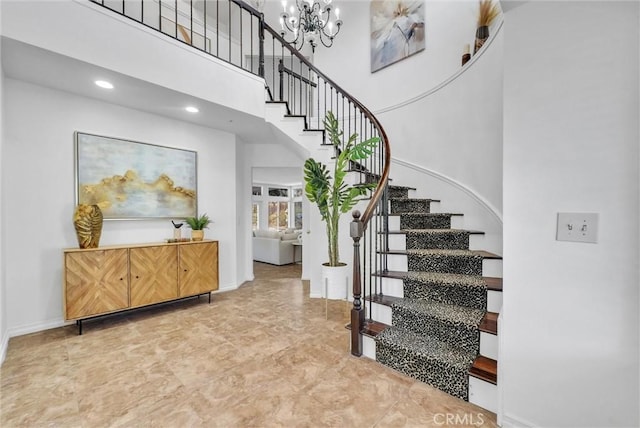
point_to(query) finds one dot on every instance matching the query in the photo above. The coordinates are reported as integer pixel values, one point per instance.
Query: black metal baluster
(204, 24)
(218, 29)
(251, 38)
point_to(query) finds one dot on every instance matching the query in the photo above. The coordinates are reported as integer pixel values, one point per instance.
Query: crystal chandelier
(313, 23)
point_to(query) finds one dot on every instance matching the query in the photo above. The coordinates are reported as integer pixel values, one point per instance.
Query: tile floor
(260, 356)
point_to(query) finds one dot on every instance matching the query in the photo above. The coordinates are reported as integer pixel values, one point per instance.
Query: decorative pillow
(289, 236)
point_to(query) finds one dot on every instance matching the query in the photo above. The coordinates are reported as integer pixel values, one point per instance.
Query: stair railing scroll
(236, 32)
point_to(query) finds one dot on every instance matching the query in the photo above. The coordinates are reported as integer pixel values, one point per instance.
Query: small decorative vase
(466, 55)
(482, 34)
(197, 235)
(87, 220)
(177, 233)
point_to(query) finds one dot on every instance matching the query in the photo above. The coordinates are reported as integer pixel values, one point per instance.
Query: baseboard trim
(36, 327)
(4, 344)
(514, 422)
(227, 287)
(479, 199)
(316, 296)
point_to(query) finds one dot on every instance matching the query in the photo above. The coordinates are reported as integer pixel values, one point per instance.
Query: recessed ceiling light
(191, 109)
(104, 84)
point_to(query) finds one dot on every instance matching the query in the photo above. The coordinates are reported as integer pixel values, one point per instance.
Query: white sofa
(276, 247)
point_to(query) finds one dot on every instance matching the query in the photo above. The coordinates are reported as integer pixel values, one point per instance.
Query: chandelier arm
(313, 21)
(327, 45)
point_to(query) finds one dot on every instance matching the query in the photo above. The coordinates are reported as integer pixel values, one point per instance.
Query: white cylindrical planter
(335, 281)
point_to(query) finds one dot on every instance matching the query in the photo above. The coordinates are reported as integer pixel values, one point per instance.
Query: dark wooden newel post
(357, 312)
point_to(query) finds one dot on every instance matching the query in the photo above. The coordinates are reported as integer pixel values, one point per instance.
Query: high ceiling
(31, 64)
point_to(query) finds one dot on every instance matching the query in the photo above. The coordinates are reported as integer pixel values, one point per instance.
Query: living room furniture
(296, 244)
(111, 279)
(274, 247)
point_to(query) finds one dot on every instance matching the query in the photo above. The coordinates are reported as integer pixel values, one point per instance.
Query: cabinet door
(96, 282)
(198, 268)
(154, 274)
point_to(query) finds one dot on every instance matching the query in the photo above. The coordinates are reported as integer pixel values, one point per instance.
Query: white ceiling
(31, 64)
(281, 176)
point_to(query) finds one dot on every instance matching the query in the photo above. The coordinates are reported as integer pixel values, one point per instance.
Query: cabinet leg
(79, 324)
(209, 297)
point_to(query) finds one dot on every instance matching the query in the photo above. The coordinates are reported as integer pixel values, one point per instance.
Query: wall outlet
(577, 227)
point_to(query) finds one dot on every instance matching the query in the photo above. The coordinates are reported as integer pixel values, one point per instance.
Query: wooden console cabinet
(105, 280)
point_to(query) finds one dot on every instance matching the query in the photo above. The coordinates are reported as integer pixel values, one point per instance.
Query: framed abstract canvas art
(397, 31)
(133, 180)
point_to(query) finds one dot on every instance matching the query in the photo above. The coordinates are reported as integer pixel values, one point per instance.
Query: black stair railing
(237, 33)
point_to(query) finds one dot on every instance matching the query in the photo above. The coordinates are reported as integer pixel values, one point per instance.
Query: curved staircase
(433, 315)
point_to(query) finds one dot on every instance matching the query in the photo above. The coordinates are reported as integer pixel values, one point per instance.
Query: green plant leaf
(364, 149)
(198, 223)
(317, 183)
(335, 197)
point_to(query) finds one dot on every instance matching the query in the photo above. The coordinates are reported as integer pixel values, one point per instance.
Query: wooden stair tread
(487, 255)
(481, 253)
(404, 231)
(383, 299)
(404, 187)
(371, 328)
(485, 369)
(427, 214)
(493, 283)
(298, 116)
(286, 104)
(489, 323)
(415, 199)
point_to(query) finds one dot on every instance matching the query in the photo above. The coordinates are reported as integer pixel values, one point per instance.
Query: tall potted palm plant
(331, 193)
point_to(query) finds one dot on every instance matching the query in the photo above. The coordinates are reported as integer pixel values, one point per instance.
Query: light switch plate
(577, 227)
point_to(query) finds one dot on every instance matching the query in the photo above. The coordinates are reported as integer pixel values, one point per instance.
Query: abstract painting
(397, 31)
(132, 180)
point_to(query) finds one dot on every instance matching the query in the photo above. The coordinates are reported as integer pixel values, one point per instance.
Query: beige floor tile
(264, 355)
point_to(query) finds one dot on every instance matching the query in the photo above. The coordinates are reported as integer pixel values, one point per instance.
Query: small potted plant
(197, 225)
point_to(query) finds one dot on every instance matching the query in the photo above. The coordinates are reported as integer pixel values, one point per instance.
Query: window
(279, 192)
(297, 215)
(297, 193)
(256, 190)
(278, 215)
(255, 217)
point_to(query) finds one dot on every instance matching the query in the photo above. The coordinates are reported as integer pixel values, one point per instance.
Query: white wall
(244, 253)
(569, 332)
(38, 163)
(4, 337)
(438, 115)
(449, 26)
(457, 130)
